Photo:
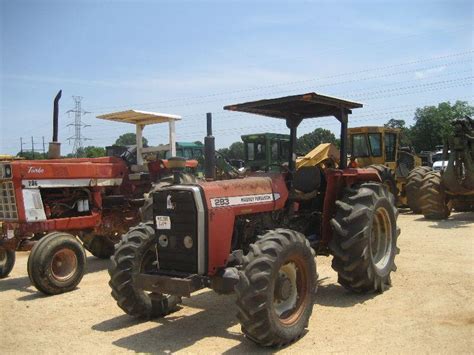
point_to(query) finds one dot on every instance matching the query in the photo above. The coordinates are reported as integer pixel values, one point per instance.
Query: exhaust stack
(209, 151)
(54, 150)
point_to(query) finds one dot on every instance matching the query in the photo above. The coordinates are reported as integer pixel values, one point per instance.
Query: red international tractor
(258, 235)
(57, 206)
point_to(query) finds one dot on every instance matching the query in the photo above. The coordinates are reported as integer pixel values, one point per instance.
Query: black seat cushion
(307, 179)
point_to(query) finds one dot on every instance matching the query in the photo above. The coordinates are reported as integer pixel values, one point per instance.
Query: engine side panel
(230, 198)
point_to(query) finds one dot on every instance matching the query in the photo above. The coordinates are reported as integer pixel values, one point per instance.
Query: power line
(372, 95)
(288, 83)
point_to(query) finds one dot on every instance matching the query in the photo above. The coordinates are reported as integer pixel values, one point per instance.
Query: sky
(192, 57)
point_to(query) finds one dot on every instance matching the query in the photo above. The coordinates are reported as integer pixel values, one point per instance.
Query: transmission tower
(78, 125)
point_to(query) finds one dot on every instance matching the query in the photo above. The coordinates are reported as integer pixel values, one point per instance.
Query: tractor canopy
(310, 105)
(295, 108)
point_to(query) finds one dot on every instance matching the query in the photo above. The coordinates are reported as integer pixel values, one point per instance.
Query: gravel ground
(429, 309)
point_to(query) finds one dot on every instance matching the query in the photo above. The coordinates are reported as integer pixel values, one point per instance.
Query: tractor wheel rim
(63, 264)
(381, 238)
(290, 294)
(3, 258)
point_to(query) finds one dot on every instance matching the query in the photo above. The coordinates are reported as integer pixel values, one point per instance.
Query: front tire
(413, 186)
(7, 261)
(276, 288)
(364, 242)
(433, 200)
(136, 254)
(56, 263)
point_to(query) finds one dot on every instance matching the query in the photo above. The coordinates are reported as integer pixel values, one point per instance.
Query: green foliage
(130, 139)
(309, 141)
(235, 151)
(88, 152)
(94, 152)
(433, 123)
(31, 156)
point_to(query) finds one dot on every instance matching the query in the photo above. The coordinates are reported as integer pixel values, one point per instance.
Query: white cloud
(421, 74)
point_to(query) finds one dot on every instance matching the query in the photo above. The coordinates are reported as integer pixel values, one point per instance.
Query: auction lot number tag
(163, 222)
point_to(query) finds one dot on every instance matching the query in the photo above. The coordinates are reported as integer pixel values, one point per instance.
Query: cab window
(197, 153)
(260, 151)
(375, 140)
(188, 153)
(359, 146)
(390, 146)
(250, 151)
(275, 150)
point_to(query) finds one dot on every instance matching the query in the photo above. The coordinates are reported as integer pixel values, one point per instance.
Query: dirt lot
(430, 308)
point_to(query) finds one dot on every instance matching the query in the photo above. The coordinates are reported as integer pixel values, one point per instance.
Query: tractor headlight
(188, 242)
(5, 171)
(163, 240)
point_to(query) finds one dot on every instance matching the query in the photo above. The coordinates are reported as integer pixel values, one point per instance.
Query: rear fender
(336, 181)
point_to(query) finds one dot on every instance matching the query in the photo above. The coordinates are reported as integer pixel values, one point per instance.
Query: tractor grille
(8, 209)
(175, 256)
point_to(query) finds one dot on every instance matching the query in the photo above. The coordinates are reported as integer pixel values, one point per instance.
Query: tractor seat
(307, 179)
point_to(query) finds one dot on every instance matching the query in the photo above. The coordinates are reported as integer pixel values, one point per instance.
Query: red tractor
(258, 235)
(46, 204)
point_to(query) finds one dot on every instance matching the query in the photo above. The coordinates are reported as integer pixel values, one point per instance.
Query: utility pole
(33, 147)
(78, 125)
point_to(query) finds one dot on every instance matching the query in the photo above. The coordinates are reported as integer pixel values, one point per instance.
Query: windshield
(255, 151)
(359, 146)
(375, 140)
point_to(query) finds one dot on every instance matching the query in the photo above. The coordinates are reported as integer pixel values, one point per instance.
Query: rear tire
(433, 200)
(7, 261)
(364, 242)
(276, 288)
(133, 255)
(56, 263)
(413, 186)
(101, 246)
(388, 178)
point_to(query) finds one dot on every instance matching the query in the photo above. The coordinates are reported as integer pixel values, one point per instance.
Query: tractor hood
(258, 193)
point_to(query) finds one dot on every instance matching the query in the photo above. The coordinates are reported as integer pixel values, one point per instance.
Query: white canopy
(139, 117)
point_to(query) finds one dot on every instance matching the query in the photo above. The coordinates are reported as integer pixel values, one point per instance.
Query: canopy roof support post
(139, 135)
(292, 124)
(343, 117)
(172, 133)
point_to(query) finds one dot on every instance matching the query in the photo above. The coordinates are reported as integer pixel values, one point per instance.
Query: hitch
(171, 285)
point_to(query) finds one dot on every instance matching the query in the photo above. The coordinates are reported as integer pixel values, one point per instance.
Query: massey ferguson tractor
(453, 187)
(258, 235)
(55, 207)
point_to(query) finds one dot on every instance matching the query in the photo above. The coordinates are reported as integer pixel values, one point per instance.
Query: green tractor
(264, 151)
